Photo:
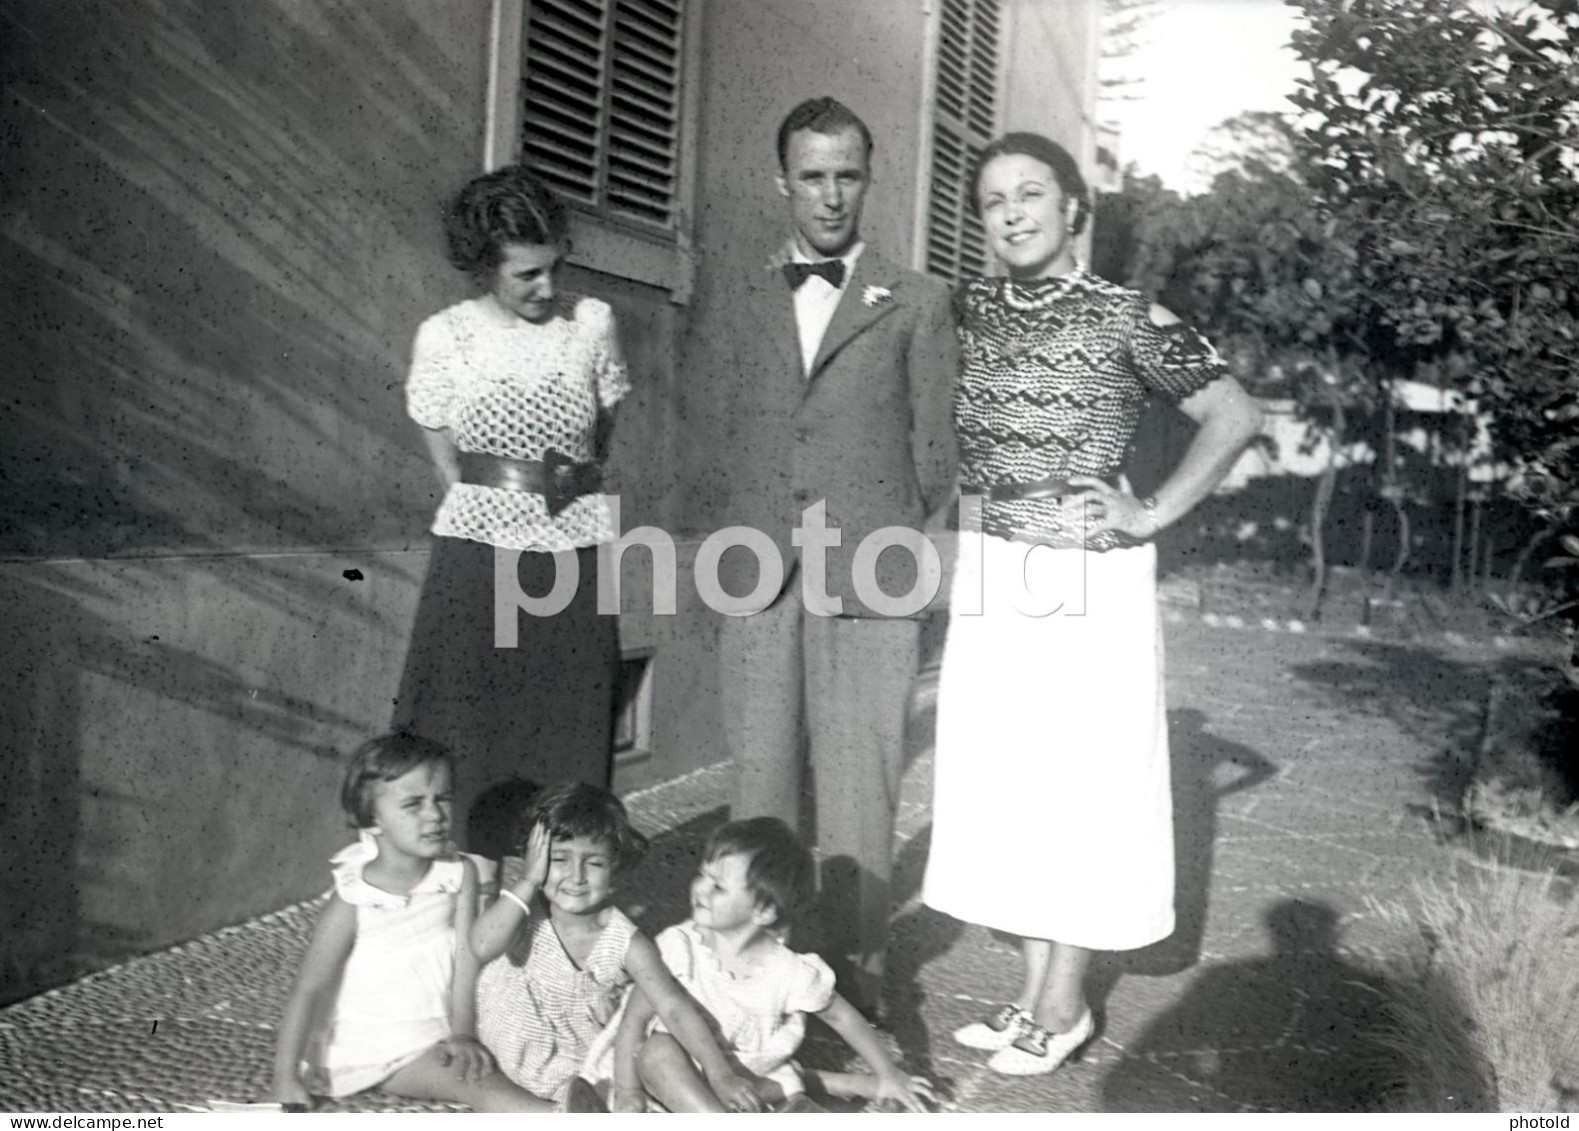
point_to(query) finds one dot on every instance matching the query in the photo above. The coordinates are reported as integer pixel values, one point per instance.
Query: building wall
(218, 234)
(1050, 77)
(218, 231)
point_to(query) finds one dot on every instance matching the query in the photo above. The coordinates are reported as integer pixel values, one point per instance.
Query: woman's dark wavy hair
(385, 758)
(508, 205)
(1066, 171)
(577, 809)
(781, 874)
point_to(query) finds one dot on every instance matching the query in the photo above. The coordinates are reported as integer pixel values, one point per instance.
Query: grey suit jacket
(869, 432)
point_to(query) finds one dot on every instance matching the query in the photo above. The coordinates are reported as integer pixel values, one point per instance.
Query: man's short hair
(823, 116)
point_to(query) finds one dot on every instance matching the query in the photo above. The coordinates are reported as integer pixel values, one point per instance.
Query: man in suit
(834, 391)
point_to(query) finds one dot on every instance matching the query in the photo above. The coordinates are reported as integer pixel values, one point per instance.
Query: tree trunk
(1474, 542)
(1460, 495)
(1318, 514)
(1488, 554)
(1402, 555)
(1516, 574)
(1390, 489)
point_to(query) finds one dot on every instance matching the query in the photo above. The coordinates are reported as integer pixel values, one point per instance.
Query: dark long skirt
(542, 711)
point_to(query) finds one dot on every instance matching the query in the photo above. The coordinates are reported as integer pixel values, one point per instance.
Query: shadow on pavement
(1436, 697)
(1205, 769)
(1295, 1031)
(916, 937)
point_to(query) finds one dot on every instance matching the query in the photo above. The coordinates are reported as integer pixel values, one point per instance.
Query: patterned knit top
(1057, 372)
(509, 387)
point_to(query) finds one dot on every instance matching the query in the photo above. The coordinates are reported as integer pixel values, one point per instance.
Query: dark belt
(1029, 489)
(556, 477)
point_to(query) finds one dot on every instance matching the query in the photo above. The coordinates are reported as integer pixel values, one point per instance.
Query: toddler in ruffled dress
(730, 956)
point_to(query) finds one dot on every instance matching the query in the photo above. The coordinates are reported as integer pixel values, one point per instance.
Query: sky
(1203, 61)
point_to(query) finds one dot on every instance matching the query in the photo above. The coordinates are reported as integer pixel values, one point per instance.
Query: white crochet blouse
(502, 385)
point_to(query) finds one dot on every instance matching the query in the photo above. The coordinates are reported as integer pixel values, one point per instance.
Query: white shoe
(999, 1031)
(1039, 1052)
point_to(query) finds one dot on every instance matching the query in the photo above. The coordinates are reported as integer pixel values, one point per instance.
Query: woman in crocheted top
(515, 390)
(1052, 748)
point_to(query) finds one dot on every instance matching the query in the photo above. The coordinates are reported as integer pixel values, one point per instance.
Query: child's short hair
(578, 809)
(385, 758)
(781, 874)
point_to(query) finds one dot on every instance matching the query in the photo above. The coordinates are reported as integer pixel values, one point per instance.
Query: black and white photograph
(789, 556)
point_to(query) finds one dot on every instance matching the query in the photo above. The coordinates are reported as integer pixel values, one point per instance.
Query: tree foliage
(1123, 26)
(1416, 216)
(1446, 141)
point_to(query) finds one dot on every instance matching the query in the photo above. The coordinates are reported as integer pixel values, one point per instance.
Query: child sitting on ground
(560, 956)
(385, 993)
(730, 956)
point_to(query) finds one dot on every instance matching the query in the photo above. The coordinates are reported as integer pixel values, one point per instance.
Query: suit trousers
(839, 689)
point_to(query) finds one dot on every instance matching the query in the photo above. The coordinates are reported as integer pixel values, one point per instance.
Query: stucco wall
(1050, 75)
(219, 230)
(760, 59)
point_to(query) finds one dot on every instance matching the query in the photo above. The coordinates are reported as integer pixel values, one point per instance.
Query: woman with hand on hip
(1052, 815)
(515, 389)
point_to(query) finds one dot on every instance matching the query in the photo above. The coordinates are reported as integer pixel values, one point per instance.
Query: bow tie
(830, 269)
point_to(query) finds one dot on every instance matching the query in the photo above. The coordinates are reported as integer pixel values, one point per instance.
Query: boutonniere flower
(876, 296)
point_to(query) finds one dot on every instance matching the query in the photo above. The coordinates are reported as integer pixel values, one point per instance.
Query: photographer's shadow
(1295, 1031)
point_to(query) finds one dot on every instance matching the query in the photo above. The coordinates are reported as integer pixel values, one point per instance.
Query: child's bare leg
(671, 1077)
(428, 1078)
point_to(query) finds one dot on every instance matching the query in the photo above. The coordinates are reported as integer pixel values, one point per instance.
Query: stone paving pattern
(1304, 771)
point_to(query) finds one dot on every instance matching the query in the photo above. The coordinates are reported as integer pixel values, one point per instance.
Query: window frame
(598, 242)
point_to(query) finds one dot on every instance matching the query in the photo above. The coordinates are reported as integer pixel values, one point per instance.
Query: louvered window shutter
(600, 108)
(966, 114)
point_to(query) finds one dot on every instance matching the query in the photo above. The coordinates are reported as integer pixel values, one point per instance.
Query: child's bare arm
(495, 929)
(462, 1050)
(682, 1018)
(311, 993)
(840, 1085)
(629, 1095)
(912, 1092)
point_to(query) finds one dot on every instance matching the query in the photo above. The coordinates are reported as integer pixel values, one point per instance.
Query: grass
(1484, 1007)
(1526, 765)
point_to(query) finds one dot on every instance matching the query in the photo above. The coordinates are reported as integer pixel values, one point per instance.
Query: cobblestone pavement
(1304, 768)
(1303, 778)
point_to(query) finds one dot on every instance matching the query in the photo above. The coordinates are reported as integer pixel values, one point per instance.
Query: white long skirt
(1052, 815)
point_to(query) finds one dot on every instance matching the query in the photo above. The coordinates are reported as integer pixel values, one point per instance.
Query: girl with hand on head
(731, 958)
(560, 956)
(385, 993)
